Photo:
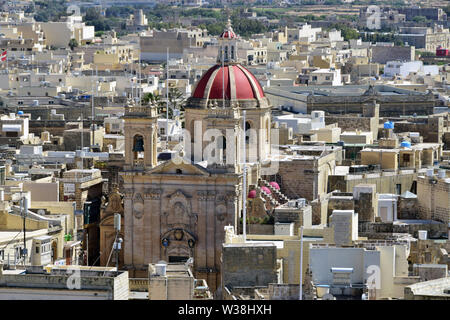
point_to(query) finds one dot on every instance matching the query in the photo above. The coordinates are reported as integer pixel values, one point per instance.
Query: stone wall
(383, 54)
(306, 177)
(278, 291)
(339, 202)
(378, 230)
(431, 128)
(407, 208)
(428, 272)
(433, 199)
(348, 123)
(249, 265)
(256, 228)
(386, 182)
(391, 105)
(299, 216)
(366, 206)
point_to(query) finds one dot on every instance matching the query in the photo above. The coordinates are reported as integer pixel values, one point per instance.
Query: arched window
(138, 147)
(247, 134)
(226, 53)
(192, 130)
(222, 143)
(222, 147)
(232, 52)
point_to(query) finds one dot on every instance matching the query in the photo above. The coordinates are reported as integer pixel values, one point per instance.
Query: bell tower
(140, 126)
(227, 46)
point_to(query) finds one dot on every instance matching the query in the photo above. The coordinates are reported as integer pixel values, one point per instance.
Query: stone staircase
(273, 199)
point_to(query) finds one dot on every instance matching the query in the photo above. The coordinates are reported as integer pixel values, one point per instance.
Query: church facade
(176, 210)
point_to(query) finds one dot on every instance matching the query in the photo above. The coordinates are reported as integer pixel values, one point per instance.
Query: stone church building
(175, 210)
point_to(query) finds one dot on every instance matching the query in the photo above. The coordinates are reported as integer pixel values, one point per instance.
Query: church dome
(228, 34)
(238, 82)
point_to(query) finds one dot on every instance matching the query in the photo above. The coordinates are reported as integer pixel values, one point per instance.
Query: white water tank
(422, 234)
(430, 172)
(160, 269)
(442, 174)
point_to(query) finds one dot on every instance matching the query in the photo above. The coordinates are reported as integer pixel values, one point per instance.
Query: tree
(152, 99)
(420, 19)
(346, 31)
(177, 101)
(73, 43)
(447, 10)
(94, 18)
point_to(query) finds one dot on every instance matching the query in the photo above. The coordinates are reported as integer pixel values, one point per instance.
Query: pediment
(172, 168)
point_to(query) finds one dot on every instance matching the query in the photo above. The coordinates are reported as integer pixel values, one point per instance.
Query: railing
(138, 284)
(78, 180)
(140, 111)
(222, 113)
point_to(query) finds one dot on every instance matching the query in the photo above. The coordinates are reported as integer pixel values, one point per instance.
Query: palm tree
(177, 100)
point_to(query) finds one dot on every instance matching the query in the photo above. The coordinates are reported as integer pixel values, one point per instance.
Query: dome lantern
(227, 46)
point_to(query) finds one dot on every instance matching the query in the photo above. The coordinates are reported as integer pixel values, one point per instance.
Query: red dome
(228, 34)
(243, 84)
(266, 190)
(275, 185)
(252, 194)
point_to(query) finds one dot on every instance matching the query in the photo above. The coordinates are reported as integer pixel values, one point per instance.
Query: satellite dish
(328, 296)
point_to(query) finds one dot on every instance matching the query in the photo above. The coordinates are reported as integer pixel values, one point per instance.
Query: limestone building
(177, 209)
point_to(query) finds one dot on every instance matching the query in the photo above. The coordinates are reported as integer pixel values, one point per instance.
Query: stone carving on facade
(221, 212)
(231, 196)
(179, 211)
(128, 193)
(180, 224)
(211, 195)
(138, 206)
(152, 194)
(114, 204)
(202, 195)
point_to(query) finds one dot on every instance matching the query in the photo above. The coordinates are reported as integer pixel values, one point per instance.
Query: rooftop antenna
(244, 187)
(301, 265)
(24, 211)
(140, 81)
(223, 77)
(93, 108)
(132, 83)
(167, 97)
(82, 140)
